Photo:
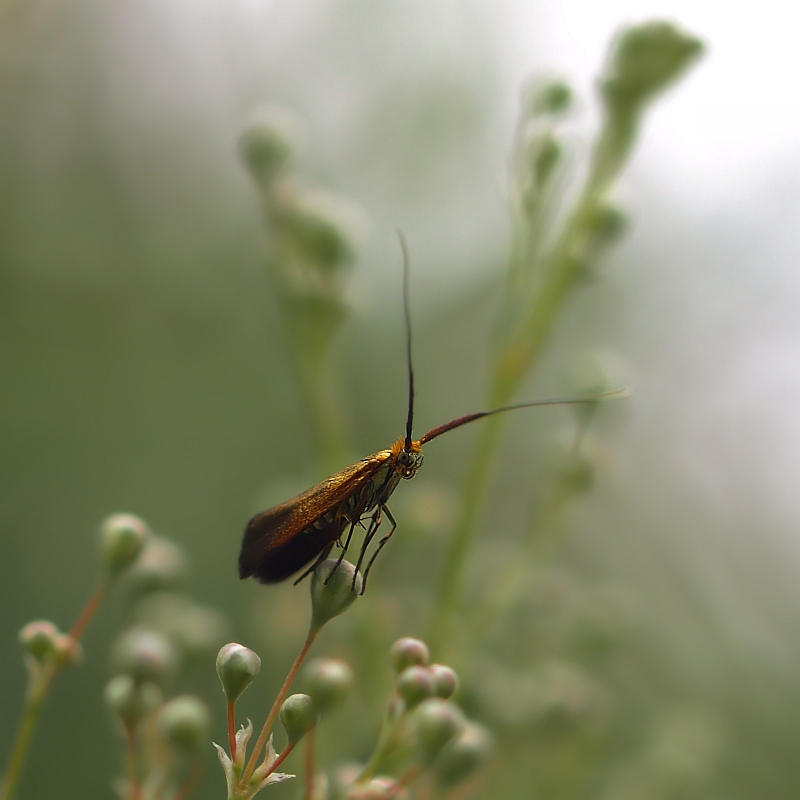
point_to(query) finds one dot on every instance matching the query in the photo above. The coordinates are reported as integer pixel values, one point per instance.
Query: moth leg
(320, 558)
(381, 543)
(374, 524)
(344, 550)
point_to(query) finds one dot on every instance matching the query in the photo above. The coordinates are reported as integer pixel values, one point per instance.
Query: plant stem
(42, 676)
(34, 699)
(89, 610)
(232, 729)
(276, 707)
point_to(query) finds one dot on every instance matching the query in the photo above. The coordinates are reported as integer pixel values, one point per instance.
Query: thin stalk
(34, 699)
(232, 729)
(191, 782)
(280, 759)
(385, 743)
(131, 763)
(276, 707)
(41, 678)
(89, 609)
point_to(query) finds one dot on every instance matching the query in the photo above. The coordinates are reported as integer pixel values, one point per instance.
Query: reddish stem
(89, 610)
(191, 782)
(280, 759)
(276, 707)
(405, 779)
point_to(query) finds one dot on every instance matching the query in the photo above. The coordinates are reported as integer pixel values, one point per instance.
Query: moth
(302, 531)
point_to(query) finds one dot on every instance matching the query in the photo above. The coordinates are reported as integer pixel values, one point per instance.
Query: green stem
(34, 700)
(42, 676)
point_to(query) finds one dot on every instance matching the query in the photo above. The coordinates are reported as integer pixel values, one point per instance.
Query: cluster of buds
(164, 736)
(423, 728)
(335, 586)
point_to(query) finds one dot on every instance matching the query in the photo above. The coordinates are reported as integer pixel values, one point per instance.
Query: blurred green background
(145, 368)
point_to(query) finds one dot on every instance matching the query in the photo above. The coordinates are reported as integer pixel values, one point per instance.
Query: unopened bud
(122, 538)
(268, 144)
(437, 721)
(333, 591)
(298, 716)
(415, 684)
(445, 680)
(237, 667)
(463, 755)
(328, 681)
(39, 639)
(407, 652)
(130, 701)
(184, 722)
(146, 655)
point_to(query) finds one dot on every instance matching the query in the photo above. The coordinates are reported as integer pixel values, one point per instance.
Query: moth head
(407, 462)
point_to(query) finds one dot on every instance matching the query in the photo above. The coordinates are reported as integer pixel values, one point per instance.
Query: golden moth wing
(274, 528)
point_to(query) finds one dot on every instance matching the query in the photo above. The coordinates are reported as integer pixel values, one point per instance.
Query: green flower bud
(406, 652)
(237, 667)
(644, 60)
(323, 228)
(130, 701)
(267, 146)
(39, 639)
(298, 715)
(328, 681)
(463, 755)
(162, 565)
(437, 721)
(546, 155)
(122, 538)
(551, 98)
(445, 680)
(184, 722)
(332, 591)
(146, 655)
(415, 684)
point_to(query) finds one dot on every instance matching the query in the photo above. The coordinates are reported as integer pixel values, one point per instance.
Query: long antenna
(548, 401)
(407, 312)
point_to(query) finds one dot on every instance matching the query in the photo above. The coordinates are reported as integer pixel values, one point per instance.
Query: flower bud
(463, 755)
(415, 684)
(268, 144)
(551, 98)
(184, 722)
(445, 680)
(437, 721)
(122, 538)
(130, 701)
(39, 639)
(332, 591)
(407, 652)
(298, 716)
(146, 655)
(69, 652)
(328, 681)
(162, 565)
(237, 667)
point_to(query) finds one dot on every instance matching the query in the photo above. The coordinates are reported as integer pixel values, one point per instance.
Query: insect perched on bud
(282, 540)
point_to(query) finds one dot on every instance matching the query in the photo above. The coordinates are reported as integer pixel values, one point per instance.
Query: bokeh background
(144, 366)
